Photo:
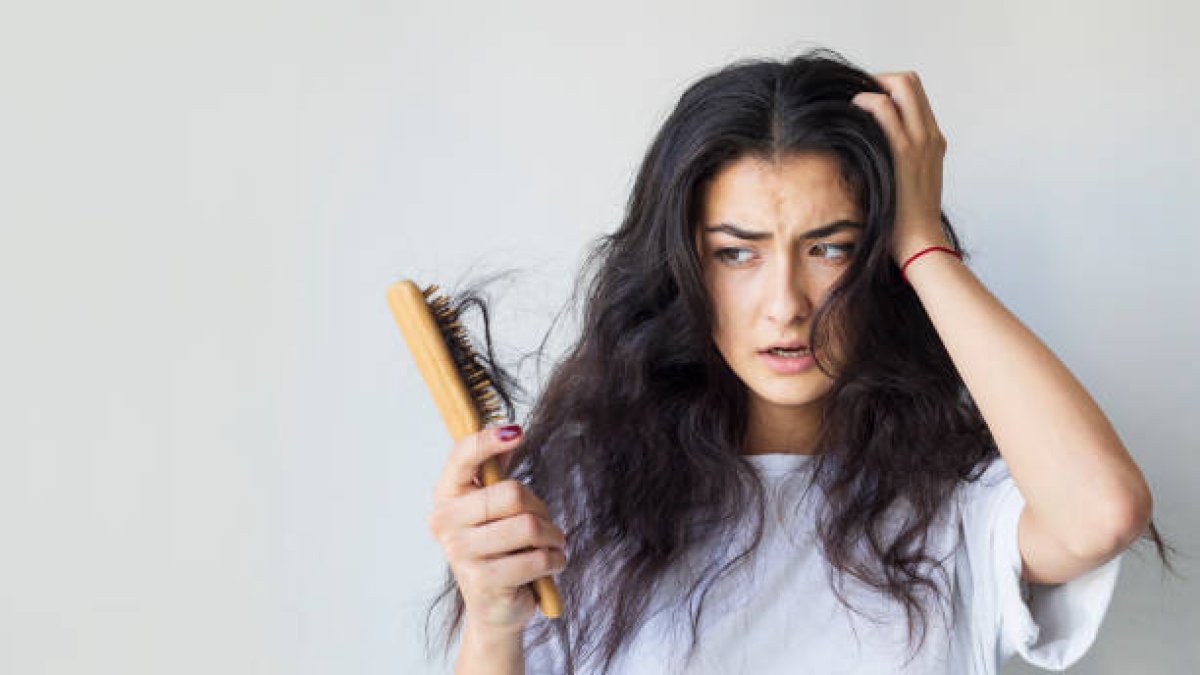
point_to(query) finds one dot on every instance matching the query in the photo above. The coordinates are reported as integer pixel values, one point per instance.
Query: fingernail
(508, 432)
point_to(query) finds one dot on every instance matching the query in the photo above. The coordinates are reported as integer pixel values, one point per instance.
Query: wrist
(486, 635)
(914, 260)
(485, 649)
(907, 249)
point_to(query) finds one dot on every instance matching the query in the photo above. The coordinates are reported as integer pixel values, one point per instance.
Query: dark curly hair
(635, 443)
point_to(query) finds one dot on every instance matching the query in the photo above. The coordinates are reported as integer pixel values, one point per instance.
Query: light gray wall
(216, 455)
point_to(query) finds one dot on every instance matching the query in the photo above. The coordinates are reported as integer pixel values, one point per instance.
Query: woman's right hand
(497, 539)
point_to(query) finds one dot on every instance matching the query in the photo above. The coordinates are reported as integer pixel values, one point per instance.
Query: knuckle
(455, 546)
(543, 560)
(511, 493)
(532, 504)
(531, 526)
(470, 573)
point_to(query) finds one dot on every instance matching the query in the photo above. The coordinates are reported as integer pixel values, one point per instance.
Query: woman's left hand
(918, 148)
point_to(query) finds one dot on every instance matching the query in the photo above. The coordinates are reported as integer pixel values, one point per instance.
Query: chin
(792, 394)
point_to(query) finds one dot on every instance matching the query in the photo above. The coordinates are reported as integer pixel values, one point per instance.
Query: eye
(831, 251)
(729, 254)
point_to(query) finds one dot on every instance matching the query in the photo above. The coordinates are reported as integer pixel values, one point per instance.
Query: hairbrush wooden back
(461, 387)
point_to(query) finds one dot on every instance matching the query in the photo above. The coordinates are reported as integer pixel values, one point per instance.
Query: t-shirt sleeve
(1050, 625)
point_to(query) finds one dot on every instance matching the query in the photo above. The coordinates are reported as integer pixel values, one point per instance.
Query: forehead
(798, 188)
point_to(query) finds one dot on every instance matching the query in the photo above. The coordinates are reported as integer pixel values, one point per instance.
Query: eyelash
(724, 254)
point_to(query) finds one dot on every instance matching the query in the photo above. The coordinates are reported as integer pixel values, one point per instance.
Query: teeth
(789, 352)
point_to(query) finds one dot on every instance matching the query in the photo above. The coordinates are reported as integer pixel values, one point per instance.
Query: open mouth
(787, 361)
(787, 353)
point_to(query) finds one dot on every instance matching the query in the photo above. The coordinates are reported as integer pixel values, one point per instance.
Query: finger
(465, 460)
(924, 106)
(502, 500)
(884, 110)
(494, 502)
(501, 537)
(905, 89)
(522, 568)
(505, 459)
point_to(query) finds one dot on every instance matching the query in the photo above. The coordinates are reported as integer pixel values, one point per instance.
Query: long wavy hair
(635, 443)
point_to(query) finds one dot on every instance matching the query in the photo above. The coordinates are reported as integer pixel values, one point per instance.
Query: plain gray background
(217, 455)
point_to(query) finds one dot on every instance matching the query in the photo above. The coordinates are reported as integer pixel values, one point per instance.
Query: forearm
(1061, 450)
(482, 653)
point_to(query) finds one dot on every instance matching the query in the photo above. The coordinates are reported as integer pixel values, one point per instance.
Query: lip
(785, 365)
(787, 344)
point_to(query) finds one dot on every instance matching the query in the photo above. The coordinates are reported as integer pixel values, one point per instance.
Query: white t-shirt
(779, 614)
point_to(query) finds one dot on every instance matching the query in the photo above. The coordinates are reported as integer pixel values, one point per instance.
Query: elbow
(1134, 510)
(1123, 521)
(1127, 511)
(1134, 516)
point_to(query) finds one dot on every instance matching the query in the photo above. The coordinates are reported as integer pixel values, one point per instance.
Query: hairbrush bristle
(470, 366)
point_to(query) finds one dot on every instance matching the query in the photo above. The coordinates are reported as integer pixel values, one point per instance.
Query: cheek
(729, 316)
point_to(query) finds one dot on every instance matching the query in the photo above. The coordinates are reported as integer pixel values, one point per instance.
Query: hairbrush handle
(442, 377)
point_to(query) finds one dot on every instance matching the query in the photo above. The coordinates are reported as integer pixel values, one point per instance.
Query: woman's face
(772, 240)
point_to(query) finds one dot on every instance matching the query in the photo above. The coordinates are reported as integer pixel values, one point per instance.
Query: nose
(787, 295)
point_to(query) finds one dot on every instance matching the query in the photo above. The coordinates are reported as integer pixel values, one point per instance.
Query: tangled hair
(635, 443)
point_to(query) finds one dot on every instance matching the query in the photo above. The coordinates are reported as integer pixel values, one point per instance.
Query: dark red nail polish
(508, 432)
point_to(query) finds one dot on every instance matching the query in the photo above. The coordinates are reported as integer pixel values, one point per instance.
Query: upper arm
(1046, 560)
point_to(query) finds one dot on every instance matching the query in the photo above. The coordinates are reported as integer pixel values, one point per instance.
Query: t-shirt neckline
(779, 463)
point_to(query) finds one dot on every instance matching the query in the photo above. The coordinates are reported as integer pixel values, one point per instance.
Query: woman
(796, 434)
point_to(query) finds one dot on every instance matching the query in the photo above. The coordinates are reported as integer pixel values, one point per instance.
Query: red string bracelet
(923, 252)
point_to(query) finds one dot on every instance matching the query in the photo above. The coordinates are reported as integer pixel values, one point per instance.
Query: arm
(1085, 498)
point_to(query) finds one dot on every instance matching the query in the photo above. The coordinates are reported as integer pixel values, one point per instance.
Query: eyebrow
(754, 235)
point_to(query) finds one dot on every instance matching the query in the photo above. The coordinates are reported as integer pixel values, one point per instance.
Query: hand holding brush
(496, 533)
(498, 539)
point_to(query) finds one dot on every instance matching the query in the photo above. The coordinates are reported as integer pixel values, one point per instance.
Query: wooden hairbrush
(461, 387)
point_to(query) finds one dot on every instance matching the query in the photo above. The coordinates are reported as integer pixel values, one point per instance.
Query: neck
(781, 429)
